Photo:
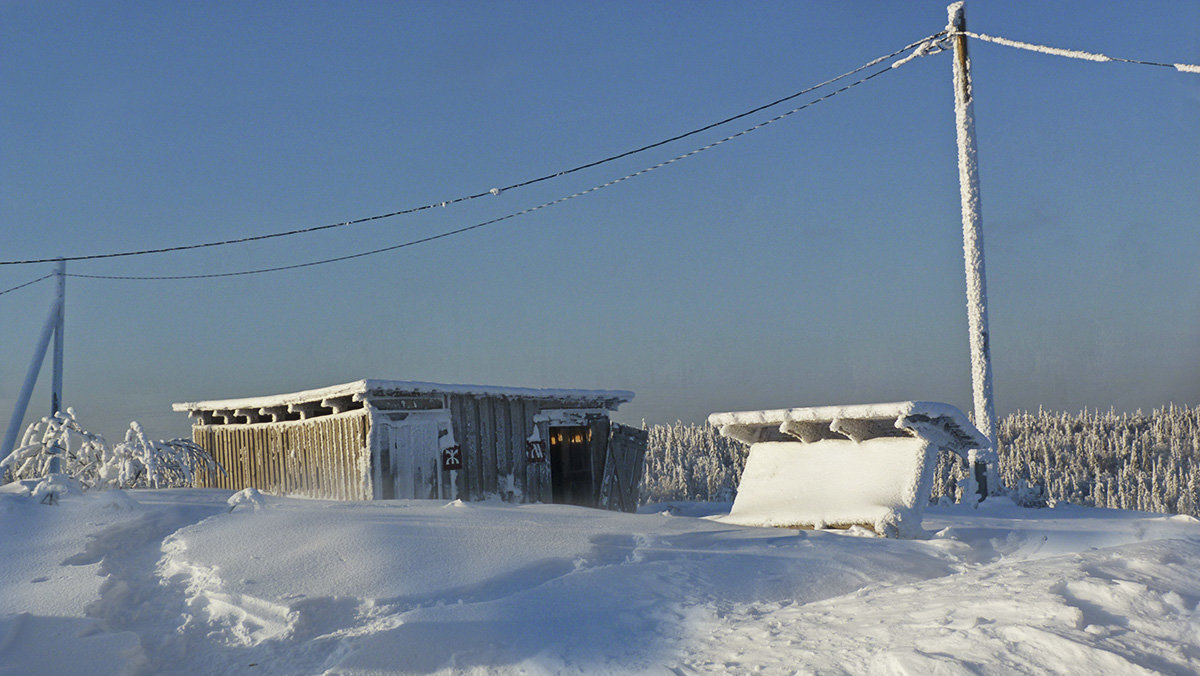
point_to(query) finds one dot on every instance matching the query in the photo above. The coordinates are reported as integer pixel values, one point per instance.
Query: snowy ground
(174, 582)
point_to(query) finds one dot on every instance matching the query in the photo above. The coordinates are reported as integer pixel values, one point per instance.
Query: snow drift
(173, 582)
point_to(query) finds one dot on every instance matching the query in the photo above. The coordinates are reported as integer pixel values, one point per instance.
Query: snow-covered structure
(839, 466)
(383, 439)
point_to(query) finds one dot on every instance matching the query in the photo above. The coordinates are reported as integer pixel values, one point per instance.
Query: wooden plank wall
(492, 431)
(324, 457)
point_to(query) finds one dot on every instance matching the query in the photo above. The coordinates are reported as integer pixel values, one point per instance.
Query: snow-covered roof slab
(366, 390)
(856, 422)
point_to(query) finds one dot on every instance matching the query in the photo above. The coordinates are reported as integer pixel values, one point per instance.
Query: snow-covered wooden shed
(383, 439)
(839, 466)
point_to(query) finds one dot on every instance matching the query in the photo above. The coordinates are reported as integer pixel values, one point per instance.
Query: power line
(523, 212)
(22, 286)
(1077, 54)
(493, 191)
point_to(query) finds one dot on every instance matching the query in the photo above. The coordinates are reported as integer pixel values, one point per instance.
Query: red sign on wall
(535, 451)
(452, 458)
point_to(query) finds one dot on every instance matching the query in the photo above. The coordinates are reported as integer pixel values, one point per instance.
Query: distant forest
(1118, 460)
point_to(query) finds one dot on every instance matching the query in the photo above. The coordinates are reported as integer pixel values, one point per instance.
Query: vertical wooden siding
(324, 457)
(491, 431)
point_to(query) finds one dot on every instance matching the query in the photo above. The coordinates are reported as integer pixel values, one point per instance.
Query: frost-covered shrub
(60, 439)
(53, 487)
(138, 462)
(85, 457)
(1028, 495)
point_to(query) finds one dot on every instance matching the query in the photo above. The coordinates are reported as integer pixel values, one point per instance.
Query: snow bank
(428, 586)
(386, 550)
(181, 585)
(37, 541)
(1124, 610)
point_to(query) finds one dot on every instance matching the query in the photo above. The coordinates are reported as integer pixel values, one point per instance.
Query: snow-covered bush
(1026, 494)
(53, 487)
(60, 439)
(85, 457)
(138, 462)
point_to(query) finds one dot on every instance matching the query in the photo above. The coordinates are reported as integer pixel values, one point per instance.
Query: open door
(623, 468)
(570, 456)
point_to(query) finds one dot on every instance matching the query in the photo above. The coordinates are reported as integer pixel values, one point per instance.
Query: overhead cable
(1077, 54)
(29, 283)
(514, 214)
(492, 191)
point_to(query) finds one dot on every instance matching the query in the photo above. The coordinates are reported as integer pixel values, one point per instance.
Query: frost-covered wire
(931, 45)
(493, 191)
(1076, 53)
(29, 283)
(514, 214)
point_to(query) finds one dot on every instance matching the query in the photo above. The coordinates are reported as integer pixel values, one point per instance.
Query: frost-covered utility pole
(60, 293)
(984, 460)
(52, 329)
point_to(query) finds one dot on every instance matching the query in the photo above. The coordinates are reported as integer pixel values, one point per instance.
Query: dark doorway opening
(571, 466)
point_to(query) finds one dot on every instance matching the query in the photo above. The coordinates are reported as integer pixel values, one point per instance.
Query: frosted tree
(57, 443)
(138, 462)
(1109, 459)
(691, 462)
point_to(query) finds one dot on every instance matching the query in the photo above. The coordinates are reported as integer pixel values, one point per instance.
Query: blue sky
(816, 261)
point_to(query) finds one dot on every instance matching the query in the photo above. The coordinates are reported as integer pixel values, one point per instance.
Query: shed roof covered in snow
(856, 422)
(348, 396)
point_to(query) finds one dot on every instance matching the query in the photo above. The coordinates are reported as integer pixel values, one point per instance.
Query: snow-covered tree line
(691, 462)
(1119, 460)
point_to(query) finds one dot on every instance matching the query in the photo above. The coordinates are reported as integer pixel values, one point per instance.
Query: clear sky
(816, 261)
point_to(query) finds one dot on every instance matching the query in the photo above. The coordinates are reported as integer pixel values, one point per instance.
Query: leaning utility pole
(52, 329)
(968, 183)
